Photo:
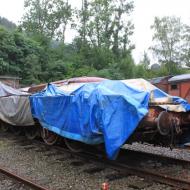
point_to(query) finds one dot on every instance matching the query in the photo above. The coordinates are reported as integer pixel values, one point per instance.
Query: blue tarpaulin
(107, 112)
(94, 113)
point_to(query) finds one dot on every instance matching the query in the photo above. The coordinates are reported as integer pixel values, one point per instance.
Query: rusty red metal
(180, 88)
(161, 82)
(162, 127)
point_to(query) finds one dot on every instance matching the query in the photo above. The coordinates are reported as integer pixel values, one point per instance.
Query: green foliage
(126, 67)
(105, 24)
(172, 43)
(46, 18)
(37, 52)
(20, 56)
(103, 44)
(185, 48)
(58, 70)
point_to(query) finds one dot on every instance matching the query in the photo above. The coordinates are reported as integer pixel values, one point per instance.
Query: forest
(37, 51)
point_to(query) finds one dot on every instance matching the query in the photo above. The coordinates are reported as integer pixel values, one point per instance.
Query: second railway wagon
(178, 85)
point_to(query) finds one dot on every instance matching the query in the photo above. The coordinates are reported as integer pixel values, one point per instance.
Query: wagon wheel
(4, 127)
(16, 130)
(31, 132)
(49, 137)
(74, 146)
(164, 123)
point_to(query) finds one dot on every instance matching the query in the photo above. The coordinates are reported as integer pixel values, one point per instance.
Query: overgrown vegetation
(37, 52)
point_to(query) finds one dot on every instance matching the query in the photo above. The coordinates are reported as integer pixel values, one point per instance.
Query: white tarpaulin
(15, 106)
(8, 91)
(15, 110)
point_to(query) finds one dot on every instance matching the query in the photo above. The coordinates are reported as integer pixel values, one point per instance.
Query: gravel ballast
(61, 170)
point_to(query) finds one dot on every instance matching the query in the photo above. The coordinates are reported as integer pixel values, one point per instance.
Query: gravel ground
(60, 170)
(175, 153)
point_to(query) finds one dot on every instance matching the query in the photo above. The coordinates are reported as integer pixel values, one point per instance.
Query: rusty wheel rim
(74, 146)
(49, 137)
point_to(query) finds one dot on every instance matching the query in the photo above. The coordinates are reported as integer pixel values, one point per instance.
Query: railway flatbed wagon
(178, 85)
(15, 112)
(111, 113)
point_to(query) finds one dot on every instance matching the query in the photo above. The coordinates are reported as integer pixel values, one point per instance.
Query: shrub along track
(129, 162)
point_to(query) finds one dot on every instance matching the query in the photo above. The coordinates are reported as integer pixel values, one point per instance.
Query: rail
(121, 166)
(23, 180)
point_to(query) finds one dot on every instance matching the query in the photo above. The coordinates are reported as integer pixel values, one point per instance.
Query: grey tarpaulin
(15, 106)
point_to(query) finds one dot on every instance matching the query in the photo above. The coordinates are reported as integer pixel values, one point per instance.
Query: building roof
(158, 79)
(9, 77)
(179, 78)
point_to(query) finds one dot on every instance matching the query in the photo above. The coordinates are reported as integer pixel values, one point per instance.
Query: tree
(21, 56)
(186, 46)
(167, 42)
(142, 69)
(102, 46)
(104, 23)
(104, 35)
(127, 66)
(145, 61)
(47, 17)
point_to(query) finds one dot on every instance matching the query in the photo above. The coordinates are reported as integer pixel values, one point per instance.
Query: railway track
(129, 155)
(123, 165)
(144, 173)
(128, 164)
(20, 179)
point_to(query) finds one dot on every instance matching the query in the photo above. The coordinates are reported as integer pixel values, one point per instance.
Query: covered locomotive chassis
(155, 117)
(160, 127)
